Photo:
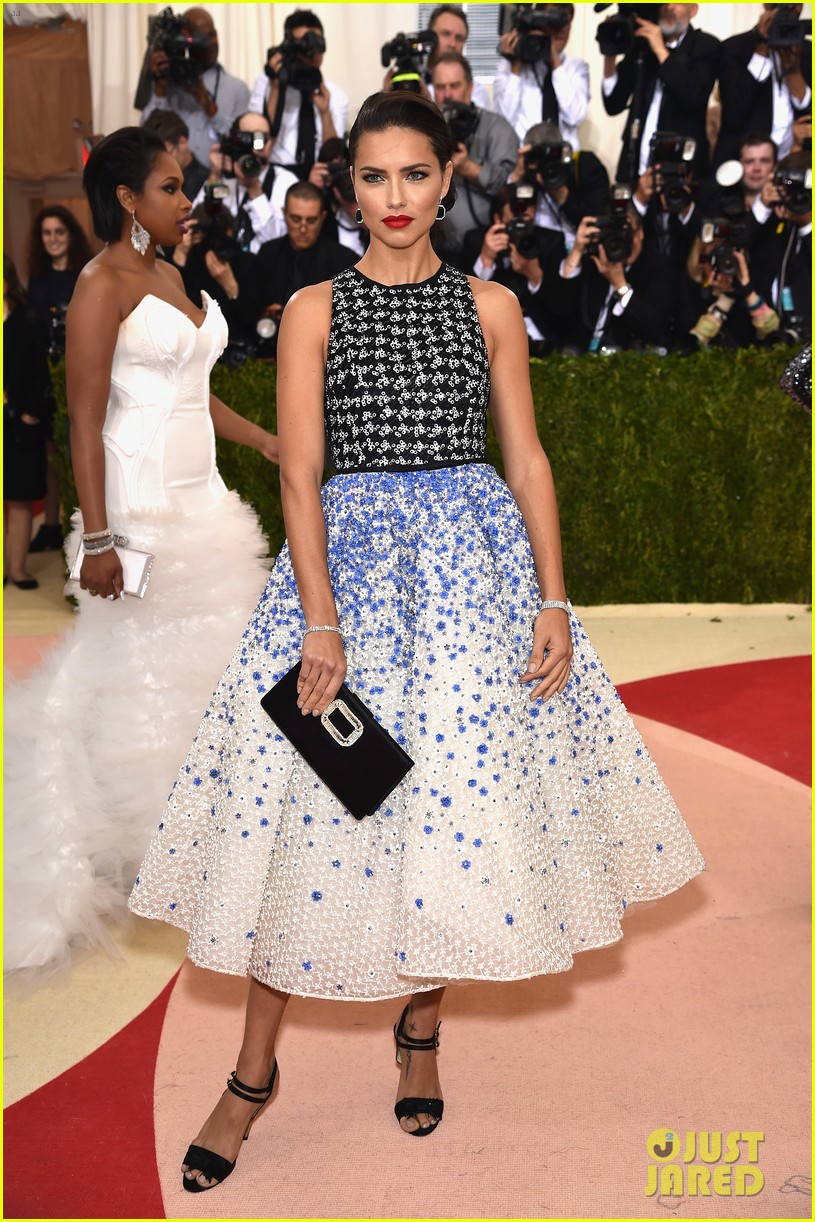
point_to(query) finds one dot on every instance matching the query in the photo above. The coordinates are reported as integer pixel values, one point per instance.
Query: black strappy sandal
(411, 1107)
(215, 1166)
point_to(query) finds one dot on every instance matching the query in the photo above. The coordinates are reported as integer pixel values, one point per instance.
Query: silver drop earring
(442, 212)
(139, 237)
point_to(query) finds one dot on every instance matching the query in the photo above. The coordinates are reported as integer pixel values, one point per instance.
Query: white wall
(354, 33)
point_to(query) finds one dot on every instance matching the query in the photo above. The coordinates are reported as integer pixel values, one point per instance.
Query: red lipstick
(398, 222)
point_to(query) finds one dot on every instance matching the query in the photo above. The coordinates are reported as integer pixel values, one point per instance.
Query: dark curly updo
(125, 158)
(400, 108)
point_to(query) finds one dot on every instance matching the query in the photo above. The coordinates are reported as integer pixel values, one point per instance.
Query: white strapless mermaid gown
(95, 736)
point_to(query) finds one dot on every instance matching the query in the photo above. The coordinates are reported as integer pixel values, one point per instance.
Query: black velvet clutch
(346, 746)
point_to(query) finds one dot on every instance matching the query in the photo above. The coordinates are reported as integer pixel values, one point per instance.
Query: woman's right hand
(102, 575)
(322, 671)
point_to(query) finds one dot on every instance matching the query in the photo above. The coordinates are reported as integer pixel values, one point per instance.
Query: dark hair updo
(400, 108)
(122, 159)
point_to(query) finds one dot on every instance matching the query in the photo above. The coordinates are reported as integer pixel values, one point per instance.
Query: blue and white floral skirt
(519, 837)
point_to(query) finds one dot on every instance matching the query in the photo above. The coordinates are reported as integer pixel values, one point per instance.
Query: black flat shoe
(215, 1166)
(410, 1106)
(47, 539)
(28, 583)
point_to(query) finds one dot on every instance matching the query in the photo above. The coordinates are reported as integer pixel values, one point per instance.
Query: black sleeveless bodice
(407, 376)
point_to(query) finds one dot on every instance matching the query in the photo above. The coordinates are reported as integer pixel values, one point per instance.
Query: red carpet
(64, 1143)
(761, 709)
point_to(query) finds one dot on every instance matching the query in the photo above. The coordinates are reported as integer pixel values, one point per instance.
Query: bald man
(216, 99)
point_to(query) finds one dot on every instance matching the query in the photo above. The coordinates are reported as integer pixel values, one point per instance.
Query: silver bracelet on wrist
(98, 549)
(95, 534)
(553, 603)
(323, 628)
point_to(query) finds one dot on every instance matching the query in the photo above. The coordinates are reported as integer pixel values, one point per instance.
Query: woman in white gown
(94, 737)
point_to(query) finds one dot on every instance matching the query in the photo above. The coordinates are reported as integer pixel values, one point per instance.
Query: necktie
(550, 111)
(245, 230)
(306, 132)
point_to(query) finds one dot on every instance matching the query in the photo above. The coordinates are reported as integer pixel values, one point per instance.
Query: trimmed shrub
(680, 479)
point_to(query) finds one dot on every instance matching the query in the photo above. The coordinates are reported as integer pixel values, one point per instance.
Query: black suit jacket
(773, 250)
(551, 249)
(643, 322)
(687, 76)
(283, 270)
(747, 104)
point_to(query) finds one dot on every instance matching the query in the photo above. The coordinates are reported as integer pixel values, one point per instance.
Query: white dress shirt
(518, 96)
(285, 145)
(760, 67)
(265, 212)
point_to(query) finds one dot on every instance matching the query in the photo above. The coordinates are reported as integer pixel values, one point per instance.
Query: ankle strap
(240, 1089)
(418, 1045)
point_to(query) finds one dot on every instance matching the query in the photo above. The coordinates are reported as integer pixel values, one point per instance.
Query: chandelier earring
(139, 237)
(442, 212)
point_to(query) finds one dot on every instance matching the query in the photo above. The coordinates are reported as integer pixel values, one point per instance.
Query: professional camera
(795, 188)
(549, 161)
(522, 235)
(408, 53)
(182, 45)
(216, 223)
(294, 74)
(729, 236)
(339, 177)
(462, 119)
(522, 195)
(786, 29)
(616, 35)
(674, 156)
(244, 148)
(615, 234)
(534, 40)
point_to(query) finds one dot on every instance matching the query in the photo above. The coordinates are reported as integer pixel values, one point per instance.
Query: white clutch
(136, 566)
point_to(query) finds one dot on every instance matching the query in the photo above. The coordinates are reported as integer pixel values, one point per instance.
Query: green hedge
(680, 479)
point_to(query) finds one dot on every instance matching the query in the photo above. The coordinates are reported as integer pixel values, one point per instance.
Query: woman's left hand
(269, 448)
(551, 656)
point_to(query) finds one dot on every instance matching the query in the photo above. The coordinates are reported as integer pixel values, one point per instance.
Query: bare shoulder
(97, 282)
(499, 311)
(309, 310)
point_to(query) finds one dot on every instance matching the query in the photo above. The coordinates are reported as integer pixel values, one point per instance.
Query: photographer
(303, 109)
(515, 252)
(448, 22)
(212, 99)
(553, 86)
(613, 293)
(781, 253)
(765, 85)
(486, 150)
(736, 315)
(331, 176)
(570, 184)
(664, 81)
(303, 256)
(172, 129)
(212, 262)
(256, 189)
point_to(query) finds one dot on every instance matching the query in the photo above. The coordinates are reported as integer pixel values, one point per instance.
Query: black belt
(397, 468)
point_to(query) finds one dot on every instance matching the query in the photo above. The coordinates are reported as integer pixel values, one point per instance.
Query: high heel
(215, 1166)
(410, 1106)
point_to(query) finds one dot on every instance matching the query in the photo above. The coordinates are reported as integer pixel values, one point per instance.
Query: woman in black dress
(58, 249)
(533, 814)
(25, 405)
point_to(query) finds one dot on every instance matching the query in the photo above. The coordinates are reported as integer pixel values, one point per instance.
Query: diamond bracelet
(323, 628)
(555, 603)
